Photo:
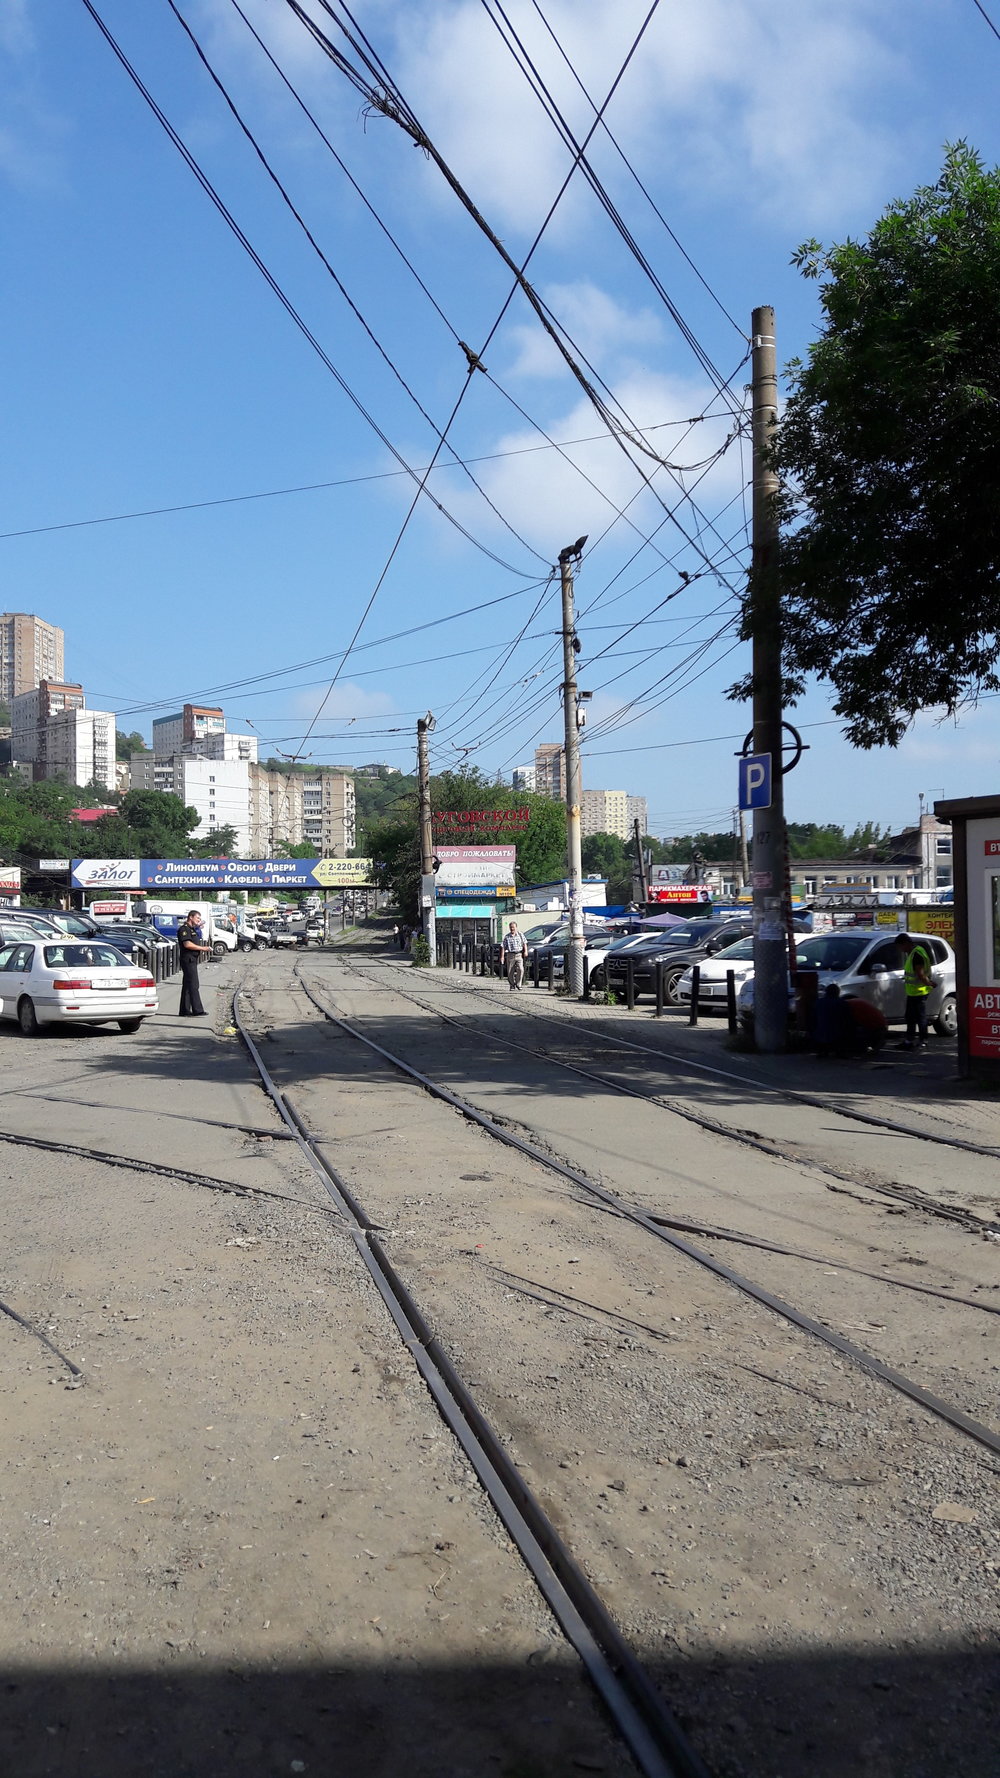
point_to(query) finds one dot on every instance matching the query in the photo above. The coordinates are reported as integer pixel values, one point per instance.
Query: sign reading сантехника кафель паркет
(220, 873)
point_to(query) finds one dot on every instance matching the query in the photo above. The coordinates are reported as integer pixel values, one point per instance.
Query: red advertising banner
(685, 894)
(494, 820)
(984, 1022)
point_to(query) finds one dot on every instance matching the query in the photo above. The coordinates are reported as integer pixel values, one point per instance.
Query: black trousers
(190, 991)
(916, 1017)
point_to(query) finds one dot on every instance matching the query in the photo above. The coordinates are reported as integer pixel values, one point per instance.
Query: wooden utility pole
(770, 945)
(428, 914)
(572, 789)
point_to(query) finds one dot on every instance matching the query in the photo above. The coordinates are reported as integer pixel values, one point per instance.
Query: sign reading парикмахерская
(219, 873)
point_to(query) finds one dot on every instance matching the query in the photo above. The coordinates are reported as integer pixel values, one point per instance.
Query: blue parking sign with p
(755, 781)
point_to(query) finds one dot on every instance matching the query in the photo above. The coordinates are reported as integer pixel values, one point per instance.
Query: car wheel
(27, 1017)
(246, 944)
(672, 987)
(946, 1023)
(218, 951)
(129, 1025)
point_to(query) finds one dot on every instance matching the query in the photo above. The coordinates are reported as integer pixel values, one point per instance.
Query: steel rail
(747, 1138)
(655, 1739)
(866, 1361)
(747, 1080)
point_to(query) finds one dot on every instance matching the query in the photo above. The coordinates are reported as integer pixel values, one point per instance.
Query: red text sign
(984, 1022)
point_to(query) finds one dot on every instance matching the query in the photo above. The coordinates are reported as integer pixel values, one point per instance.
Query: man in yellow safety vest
(917, 974)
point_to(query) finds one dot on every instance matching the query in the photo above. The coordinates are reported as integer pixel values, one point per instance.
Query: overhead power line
(329, 268)
(270, 279)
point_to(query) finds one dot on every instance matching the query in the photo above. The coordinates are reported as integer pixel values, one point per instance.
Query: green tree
(126, 745)
(604, 854)
(219, 842)
(889, 450)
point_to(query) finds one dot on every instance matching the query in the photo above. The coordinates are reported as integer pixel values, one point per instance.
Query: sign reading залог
(218, 873)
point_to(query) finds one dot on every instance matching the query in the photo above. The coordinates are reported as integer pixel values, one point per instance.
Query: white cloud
(597, 324)
(779, 105)
(347, 703)
(552, 496)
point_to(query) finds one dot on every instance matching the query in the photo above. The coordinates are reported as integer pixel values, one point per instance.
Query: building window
(942, 845)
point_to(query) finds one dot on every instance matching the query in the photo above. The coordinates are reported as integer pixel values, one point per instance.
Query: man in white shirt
(514, 947)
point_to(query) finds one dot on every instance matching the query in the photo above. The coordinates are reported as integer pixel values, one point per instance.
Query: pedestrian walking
(189, 939)
(514, 948)
(917, 975)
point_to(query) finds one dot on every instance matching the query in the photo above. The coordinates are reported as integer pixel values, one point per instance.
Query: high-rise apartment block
(550, 770)
(612, 811)
(53, 731)
(302, 808)
(30, 650)
(638, 810)
(604, 811)
(29, 716)
(180, 732)
(523, 778)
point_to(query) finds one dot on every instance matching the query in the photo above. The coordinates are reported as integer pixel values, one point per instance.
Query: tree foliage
(393, 840)
(889, 450)
(126, 745)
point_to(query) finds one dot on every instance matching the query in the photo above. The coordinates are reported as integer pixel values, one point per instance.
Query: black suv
(676, 948)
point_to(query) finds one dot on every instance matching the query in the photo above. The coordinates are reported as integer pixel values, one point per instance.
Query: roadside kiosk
(975, 824)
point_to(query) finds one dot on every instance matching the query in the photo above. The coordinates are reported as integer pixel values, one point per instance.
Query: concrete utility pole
(428, 914)
(573, 794)
(770, 945)
(640, 864)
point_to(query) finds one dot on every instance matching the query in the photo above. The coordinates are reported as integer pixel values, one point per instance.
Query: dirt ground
(248, 1545)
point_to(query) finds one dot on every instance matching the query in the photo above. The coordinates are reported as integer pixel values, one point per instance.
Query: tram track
(662, 1230)
(915, 1199)
(655, 1739)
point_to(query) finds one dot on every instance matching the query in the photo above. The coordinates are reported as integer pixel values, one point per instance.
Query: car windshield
(832, 950)
(694, 934)
(738, 953)
(84, 957)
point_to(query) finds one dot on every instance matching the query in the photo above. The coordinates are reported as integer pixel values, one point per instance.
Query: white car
(713, 972)
(74, 982)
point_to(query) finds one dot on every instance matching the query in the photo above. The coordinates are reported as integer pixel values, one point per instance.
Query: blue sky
(149, 365)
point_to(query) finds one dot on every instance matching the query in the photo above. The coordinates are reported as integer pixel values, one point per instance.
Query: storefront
(976, 845)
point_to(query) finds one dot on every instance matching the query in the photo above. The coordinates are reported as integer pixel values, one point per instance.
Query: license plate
(107, 981)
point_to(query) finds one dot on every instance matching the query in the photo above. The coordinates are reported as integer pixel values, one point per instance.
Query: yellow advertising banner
(342, 873)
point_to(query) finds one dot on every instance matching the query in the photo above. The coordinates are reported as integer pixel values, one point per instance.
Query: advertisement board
(109, 874)
(10, 879)
(463, 866)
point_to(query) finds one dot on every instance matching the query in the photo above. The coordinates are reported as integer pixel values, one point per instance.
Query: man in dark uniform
(189, 940)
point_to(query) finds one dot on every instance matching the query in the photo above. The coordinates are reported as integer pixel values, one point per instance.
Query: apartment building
(605, 811)
(524, 778)
(30, 712)
(218, 788)
(299, 808)
(638, 810)
(80, 747)
(550, 770)
(30, 650)
(179, 732)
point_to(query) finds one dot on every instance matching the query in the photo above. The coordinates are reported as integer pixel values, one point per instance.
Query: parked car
(676, 948)
(867, 963)
(69, 920)
(713, 971)
(73, 981)
(595, 945)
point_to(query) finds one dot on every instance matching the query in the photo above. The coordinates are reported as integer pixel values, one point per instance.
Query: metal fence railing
(475, 957)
